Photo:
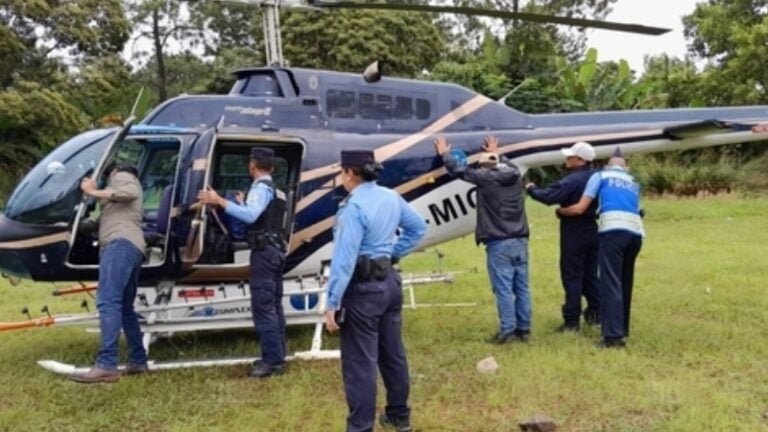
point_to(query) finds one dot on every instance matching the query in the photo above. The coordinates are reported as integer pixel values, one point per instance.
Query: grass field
(697, 359)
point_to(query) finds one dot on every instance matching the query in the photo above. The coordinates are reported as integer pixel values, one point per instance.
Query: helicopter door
(224, 239)
(86, 257)
(192, 217)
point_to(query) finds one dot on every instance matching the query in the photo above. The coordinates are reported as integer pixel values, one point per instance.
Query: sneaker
(264, 370)
(565, 328)
(133, 369)
(611, 343)
(399, 424)
(96, 375)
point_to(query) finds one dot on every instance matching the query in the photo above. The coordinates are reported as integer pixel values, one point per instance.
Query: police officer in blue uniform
(365, 298)
(264, 210)
(621, 237)
(578, 237)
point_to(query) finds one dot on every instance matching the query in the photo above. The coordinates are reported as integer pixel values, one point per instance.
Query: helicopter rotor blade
(467, 10)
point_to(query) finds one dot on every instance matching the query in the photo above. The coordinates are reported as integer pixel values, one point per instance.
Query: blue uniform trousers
(267, 303)
(578, 271)
(617, 254)
(371, 336)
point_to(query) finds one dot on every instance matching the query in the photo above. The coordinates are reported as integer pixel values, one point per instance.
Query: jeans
(118, 280)
(508, 270)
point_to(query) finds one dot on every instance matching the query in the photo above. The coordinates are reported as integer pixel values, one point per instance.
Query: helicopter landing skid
(316, 353)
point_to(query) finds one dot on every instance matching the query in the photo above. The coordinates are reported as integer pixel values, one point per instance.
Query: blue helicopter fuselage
(319, 113)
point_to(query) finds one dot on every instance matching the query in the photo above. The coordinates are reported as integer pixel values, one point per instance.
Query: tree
(33, 120)
(732, 35)
(675, 82)
(162, 21)
(480, 72)
(33, 34)
(349, 40)
(593, 86)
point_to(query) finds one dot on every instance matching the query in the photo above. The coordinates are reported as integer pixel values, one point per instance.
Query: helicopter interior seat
(155, 235)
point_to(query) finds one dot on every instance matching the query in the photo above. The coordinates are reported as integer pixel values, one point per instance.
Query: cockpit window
(51, 190)
(262, 84)
(158, 174)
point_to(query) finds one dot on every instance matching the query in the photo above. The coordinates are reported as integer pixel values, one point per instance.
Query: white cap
(488, 158)
(581, 150)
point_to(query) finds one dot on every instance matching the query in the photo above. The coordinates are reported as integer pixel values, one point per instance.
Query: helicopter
(307, 117)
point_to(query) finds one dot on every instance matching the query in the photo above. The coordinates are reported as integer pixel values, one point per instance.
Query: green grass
(696, 360)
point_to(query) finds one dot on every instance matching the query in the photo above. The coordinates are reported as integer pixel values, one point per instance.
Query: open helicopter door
(194, 173)
(227, 173)
(87, 202)
(155, 154)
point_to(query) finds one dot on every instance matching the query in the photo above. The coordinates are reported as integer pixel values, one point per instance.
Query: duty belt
(368, 269)
(259, 241)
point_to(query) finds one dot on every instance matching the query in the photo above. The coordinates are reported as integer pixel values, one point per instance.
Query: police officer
(621, 237)
(264, 209)
(365, 298)
(578, 237)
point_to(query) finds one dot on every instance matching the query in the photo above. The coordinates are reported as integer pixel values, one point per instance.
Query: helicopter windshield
(50, 191)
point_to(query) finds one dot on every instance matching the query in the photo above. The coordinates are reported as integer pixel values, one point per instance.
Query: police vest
(270, 226)
(619, 202)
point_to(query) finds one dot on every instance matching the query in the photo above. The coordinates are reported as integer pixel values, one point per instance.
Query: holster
(368, 269)
(257, 241)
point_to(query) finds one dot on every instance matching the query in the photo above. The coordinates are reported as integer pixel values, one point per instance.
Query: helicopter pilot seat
(155, 239)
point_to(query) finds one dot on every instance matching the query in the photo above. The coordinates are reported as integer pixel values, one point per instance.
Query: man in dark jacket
(578, 237)
(503, 228)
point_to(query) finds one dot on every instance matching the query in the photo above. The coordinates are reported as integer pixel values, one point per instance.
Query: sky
(613, 45)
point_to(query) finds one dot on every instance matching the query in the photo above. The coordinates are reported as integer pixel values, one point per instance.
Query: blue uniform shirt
(566, 192)
(366, 225)
(258, 198)
(619, 195)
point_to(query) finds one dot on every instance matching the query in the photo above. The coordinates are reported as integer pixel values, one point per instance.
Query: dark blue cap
(357, 157)
(618, 153)
(262, 153)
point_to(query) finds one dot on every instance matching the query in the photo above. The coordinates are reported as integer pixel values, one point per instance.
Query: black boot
(399, 424)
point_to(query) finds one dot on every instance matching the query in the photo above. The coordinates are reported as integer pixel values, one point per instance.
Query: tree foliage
(33, 33)
(349, 40)
(732, 35)
(50, 82)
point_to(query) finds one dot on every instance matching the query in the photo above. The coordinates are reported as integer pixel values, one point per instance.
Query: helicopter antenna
(503, 99)
(136, 103)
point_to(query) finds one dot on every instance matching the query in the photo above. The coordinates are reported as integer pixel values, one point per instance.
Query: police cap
(262, 153)
(357, 157)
